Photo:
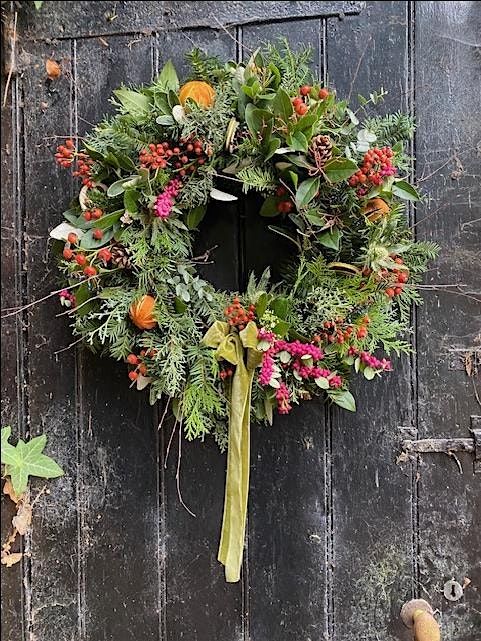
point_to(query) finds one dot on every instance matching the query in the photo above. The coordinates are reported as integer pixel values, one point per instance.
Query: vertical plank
(12, 408)
(118, 440)
(371, 495)
(200, 605)
(448, 77)
(50, 382)
(288, 512)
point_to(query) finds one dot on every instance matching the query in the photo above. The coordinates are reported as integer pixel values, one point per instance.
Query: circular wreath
(333, 181)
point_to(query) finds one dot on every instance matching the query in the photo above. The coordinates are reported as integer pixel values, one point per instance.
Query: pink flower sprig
(375, 363)
(282, 397)
(165, 200)
(67, 299)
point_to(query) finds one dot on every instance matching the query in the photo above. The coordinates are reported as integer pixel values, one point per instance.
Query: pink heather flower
(265, 335)
(165, 200)
(282, 396)
(66, 298)
(267, 368)
(375, 363)
(335, 381)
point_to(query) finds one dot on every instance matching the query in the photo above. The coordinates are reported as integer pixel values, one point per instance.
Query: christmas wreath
(333, 185)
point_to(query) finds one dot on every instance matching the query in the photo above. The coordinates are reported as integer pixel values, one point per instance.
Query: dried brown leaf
(11, 559)
(53, 69)
(22, 521)
(10, 492)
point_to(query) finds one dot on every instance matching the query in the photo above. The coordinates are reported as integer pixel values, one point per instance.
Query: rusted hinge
(450, 446)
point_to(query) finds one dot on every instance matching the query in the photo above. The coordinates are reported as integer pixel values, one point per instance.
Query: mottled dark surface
(340, 533)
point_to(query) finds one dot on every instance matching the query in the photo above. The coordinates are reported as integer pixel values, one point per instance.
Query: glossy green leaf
(195, 216)
(131, 199)
(344, 399)
(306, 191)
(269, 207)
(282, 105)
(330, 238)
(135, 103)
(168, 78)
(404, 190)
(339, 169)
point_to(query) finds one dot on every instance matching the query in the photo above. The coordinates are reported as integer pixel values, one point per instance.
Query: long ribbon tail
(237, 481)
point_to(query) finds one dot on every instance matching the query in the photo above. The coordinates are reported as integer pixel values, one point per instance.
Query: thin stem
(177, 476)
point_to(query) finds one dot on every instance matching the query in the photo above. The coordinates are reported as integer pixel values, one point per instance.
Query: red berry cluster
(184, 155)
(396, 278)
(84, 262)
(338, 331)
(93, 214)
(66, 156)
(139, 363)
(376, 165)
(226, 373)
(285, 205)
(237, 316)
(299, 102)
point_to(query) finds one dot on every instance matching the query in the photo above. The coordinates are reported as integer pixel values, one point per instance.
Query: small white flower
(126, 219)
(178, 113)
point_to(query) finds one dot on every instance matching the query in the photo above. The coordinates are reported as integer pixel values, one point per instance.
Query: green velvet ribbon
(239, 349)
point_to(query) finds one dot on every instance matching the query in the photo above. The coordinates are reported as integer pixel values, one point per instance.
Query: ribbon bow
(239, 350)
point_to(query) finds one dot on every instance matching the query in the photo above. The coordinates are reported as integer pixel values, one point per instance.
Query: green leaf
(257, 119)
(339, 169)
(168, 78)
(300, 161)
(331, 238)
(369, 373)
(344, 399)
(298, 141)
(119, 186)
(405, 191)
(131, 198)
(82, 294)
(282, 328)
(165, 120)
(106, 221)
(89, 242)
(38, 4)
(195, 216)
(282, 105)
(306, 191)
(27, 459)
(322, 382)
(315, 217)
(269, 207)
(261, 304)
(273, 146)
(135, 103)
(280, 307)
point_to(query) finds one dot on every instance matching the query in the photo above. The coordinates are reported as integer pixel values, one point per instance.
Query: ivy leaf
(306, 191)
(27, 459)
(405, 191)
(339, 169)
(168, 78)
(344, 399)
(135, 103)
(331, 238)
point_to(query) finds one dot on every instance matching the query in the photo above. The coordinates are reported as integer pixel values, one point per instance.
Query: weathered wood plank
(51, 590)
(71, 20)
(371, 495)
(448, 77)
(288, 516)
(199, 604)
(118, 449)
(12, 345)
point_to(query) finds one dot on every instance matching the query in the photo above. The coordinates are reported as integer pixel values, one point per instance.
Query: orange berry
(133, 376)
(72, 238)
(133, 359)
(323, 93)
(389, 292)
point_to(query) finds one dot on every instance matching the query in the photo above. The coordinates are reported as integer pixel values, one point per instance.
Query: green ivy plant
(26, 459)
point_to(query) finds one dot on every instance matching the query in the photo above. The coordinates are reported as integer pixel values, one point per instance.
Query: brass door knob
(418, 615)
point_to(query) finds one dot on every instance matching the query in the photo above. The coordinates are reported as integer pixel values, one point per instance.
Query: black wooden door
(340, 531)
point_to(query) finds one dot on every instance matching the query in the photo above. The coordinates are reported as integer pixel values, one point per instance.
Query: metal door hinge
(450, 446)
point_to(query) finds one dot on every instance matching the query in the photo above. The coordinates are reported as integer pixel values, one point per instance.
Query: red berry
(90, 271)
(143, 369)
(97, 234)
(72, 238)
(399, 261)
(297, 101)
(302, 109)
(67, 253)
(69, 144)
(323, 93)
(133, 376)
(305, 89)
(362, 332)
(80, 259)
(398, 290)
(88, 215)
(105, 255)
(390, 292)
(133, 359)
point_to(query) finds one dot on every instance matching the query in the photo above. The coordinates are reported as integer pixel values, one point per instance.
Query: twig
(203, 258)
(177, 476)
(64, 349)
(164, 414)
(18, 310)
(12, 60)
(170, 443)
(476, 395)
(444, 288)
(358, 67)
(231, 36)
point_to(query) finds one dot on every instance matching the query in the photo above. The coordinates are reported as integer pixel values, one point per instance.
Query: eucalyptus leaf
(344, 399)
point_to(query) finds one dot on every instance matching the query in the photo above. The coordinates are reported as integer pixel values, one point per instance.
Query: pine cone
(320, 151)
(121, 256)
